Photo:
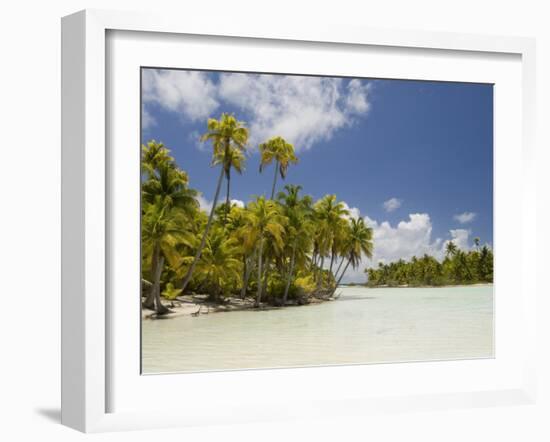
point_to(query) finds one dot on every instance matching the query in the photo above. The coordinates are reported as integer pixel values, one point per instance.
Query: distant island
(457, 268)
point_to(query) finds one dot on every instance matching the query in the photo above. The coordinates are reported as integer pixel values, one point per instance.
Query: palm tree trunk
(331, 261)
(161, 309)
(266, 274)
(189, 273)
(313, 260)
(338, 269)
(150, 299)
(249, 267)
(227, 199)
(259, 294)
(290, 272)
(341, 276)
(245, 280)
(274, 179)
(245, 271)
(320, 274)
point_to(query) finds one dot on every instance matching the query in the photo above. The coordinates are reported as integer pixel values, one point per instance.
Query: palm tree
(166, 200)
(359, 243)
(232, 159)
(298, 212)
(220, 264)
(170, 185)
(163, 228)
(460, 256)
(225, 134)
(237, 227)
(341, 244)
(153, 154)
(476, 242)
(330, 218)
(278, 149)
(450, 249)
(265, 220)
(485, 266)
(339, 237)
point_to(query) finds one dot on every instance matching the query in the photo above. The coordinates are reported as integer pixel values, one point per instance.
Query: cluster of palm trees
(458, 267)
(276, 250)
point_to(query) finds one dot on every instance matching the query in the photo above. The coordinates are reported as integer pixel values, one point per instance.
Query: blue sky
(415, 158)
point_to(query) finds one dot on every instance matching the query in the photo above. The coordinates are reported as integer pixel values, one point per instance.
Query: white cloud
(204, 204)
(353, 211)
(465, 217)
(392, 204)
(147, 120)
(194, 138)
(237, 203)
(356, 99)
(304, 110)
(412, 237)
(192, 94)
(460, 238)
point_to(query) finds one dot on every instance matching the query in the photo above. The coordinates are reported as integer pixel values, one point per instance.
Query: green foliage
(279, 150)
(305, 284)
(458, 267)
(170, 292)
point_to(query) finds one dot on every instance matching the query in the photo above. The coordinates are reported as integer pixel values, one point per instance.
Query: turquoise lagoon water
(362, 326)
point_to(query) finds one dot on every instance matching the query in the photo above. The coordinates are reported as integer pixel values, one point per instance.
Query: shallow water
(362, 326)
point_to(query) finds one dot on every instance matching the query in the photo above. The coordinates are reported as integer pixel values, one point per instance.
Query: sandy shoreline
(193, 306)
(189, 305)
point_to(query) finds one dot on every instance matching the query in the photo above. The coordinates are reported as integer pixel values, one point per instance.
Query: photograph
(293, 220)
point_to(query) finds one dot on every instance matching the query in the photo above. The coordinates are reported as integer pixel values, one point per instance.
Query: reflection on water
(362, 326)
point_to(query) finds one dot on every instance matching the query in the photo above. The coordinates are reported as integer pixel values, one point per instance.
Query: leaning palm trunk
(160, 309)
(338, 269)
(149, 302)
(150, 299)
(320, 274)
(189, 274)
(341, 276)
(290, 272)
(274, 180)
(332, 261)
(313, 261)
(259, 293)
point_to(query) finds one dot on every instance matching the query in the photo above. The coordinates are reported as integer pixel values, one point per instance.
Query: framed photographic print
(377, 290)
(276, 223)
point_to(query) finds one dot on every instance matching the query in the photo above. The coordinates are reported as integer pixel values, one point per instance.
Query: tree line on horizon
(458, 267)
(276, 250)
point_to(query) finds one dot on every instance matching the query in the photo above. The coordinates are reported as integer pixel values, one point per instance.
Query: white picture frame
(86, 316)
